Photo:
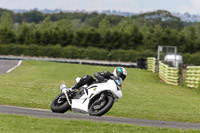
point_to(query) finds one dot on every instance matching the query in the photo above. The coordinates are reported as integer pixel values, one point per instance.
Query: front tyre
(100, 108)
(60, 104)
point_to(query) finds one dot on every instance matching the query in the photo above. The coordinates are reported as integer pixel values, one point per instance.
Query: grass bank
(36, 83)
(24, 124)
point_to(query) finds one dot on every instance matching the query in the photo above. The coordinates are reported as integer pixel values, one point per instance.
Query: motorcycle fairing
(81, 104)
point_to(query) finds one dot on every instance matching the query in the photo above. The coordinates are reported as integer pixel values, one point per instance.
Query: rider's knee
(87, 79)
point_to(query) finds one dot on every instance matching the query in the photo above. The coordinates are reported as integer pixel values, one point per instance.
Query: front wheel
(99, 108)
(60, 104)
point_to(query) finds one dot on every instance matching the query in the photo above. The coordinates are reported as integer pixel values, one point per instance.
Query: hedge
(191, 59)
(73, 52)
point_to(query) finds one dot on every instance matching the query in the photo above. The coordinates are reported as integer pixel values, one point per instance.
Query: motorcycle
(95, 99)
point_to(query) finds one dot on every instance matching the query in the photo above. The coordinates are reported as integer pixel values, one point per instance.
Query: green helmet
(120, 72)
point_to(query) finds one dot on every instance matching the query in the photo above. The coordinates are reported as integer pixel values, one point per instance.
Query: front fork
(67, 97)
(64, 90)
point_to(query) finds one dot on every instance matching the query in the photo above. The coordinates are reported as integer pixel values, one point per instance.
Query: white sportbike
(95, 99)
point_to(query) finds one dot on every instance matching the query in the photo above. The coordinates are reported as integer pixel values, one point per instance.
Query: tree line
(140, 32)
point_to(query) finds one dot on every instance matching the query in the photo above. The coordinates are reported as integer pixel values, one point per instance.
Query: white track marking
(18, 64)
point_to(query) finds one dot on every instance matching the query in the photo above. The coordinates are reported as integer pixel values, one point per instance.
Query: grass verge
(25, 124)
(36, 83)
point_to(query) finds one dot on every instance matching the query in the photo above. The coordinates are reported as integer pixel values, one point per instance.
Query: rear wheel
(60, 104)
(99, 108)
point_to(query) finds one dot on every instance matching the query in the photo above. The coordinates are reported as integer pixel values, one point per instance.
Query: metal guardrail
(75, 61)
(193, 76)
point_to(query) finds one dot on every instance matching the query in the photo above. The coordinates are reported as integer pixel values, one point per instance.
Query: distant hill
(186, 17)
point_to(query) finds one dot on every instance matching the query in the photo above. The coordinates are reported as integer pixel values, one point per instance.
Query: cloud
(20, 4)
(182, 6)
(123, 5)
(191, 7)
(90, 5)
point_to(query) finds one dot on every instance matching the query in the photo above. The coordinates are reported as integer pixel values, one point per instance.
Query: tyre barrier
(193, 76)
(151, 64)
(169, 75)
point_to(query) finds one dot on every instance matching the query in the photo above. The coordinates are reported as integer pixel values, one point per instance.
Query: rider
(119, 72)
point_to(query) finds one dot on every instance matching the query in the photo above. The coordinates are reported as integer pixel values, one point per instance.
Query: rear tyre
(100, 108)
(60, 104)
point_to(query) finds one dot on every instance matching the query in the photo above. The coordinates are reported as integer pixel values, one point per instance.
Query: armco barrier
(169, 75)
(75, 61)
(193, 76)
(151, 64)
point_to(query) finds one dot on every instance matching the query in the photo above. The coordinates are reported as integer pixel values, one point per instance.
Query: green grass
(36, 83)
(24, 124)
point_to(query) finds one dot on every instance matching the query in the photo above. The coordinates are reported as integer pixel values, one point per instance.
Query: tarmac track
(5, 65)
(73, 116)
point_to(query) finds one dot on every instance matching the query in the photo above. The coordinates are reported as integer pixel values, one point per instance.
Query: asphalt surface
(5, 65)
(73, 116)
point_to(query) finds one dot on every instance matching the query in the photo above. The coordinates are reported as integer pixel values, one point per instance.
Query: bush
(32, 50)
(72, 52)
(186, 58)
(195, 59)
(95, 53)
(75, 52)
(11, 49)
(130, 55)
(191, 59)
(116, 55)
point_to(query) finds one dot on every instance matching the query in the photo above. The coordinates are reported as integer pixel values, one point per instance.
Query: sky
(136, 6)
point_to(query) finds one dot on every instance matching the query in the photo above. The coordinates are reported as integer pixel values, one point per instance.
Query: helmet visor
(121, 75)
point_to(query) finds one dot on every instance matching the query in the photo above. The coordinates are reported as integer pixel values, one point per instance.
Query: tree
(131, 37)
(7, 34)
(190, 34)
(65, 38)
(104, 25)
(24, 34)
(87, 36)
(161, 17)
(33, 16)
(36, 37)
(153, 37)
